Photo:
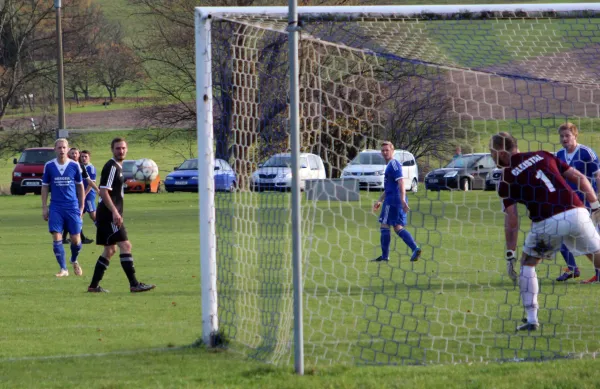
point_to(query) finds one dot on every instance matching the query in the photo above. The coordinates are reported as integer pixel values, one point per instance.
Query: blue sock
(597, 274)
(75, 249)
(385, 242)
(569, 258)
(59, 252)
(407, 238)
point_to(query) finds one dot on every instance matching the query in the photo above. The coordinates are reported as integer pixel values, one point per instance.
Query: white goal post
(477, 101)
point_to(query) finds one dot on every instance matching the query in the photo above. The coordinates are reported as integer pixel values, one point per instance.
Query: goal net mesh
(428, 83)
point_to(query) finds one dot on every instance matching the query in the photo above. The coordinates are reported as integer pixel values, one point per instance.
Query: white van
(276, 173)
(368, 167)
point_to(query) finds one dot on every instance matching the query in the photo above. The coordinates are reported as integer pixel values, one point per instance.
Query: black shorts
(108, 234)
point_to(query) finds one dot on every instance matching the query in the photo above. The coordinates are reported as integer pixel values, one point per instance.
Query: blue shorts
(90, 203)
(392, 215)
(60, 220)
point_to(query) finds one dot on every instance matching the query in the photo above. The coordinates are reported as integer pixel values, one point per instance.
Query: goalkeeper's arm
(511, 234)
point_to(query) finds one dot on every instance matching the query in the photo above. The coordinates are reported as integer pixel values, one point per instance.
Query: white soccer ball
(145, 170)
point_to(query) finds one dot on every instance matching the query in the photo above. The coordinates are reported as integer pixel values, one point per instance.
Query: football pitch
(54, 334)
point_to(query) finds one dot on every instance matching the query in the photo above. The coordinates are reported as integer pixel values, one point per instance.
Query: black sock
(81, 235)
(128, 268)
(101, 267)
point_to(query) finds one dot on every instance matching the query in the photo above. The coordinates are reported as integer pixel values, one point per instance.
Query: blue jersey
(393, 173)
(62, 180)
(585, 160)
(91, 171)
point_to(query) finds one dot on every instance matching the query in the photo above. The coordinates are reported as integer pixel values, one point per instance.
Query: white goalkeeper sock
(528, 284)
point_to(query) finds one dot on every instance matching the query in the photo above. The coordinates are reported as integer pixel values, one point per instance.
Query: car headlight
(450, 174)
(380, 173)
(194, 177)
(169, 178)
(17, 174)
(345, 173)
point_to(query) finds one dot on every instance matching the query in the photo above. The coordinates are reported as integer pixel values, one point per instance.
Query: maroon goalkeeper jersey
(535, 180)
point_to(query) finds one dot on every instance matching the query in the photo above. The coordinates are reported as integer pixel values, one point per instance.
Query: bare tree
(24, 133)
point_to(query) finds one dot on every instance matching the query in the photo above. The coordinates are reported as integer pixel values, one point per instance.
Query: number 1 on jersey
(540, 175)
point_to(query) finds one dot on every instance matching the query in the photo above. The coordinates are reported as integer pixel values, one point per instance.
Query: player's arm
(402, 190)
(45, 191)
(584, 186)
(81, 196)
(511, 235)
(91, 185)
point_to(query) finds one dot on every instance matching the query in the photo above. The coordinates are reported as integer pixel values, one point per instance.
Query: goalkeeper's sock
(597, 274)
(59, 253)
(385, 242)
(407, 238)
(528, 285)
(569, 258)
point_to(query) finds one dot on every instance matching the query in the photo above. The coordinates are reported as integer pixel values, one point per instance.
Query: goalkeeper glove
(595, 213)
(511, 259)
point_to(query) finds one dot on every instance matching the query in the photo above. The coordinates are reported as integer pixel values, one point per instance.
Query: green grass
(53, 334)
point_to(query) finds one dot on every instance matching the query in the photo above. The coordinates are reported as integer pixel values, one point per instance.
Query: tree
(24, 133)
(115, 65)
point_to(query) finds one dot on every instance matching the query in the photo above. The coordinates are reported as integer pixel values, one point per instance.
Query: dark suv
(465, 173)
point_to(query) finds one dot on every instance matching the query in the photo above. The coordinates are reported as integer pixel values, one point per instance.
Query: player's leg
(529, 289)
(572, 270)
(583, 238)
(55, 227)
(384, 234)
(399, 222)
(100, 269)
(128, 267)
(73, 225)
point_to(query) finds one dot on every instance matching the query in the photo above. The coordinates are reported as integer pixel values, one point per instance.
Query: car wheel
(16, 192)
(465, 184)
(415, 186)
(232, 187)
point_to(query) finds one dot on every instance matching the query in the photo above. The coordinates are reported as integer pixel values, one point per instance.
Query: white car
(276, 173)
(368, 167)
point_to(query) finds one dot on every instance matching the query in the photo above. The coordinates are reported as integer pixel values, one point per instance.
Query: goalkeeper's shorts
(574, 228)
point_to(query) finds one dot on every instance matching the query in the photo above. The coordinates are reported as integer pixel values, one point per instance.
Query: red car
(27, 175)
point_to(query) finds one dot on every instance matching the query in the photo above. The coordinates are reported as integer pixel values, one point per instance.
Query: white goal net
(429, 81)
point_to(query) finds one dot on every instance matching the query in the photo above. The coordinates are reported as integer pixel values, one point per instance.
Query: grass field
(54, 335)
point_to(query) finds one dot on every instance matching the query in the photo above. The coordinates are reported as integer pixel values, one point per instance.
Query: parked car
(492, 179)
(185, 177)
(28, 171)
(368, 167)
(465, 172)
(276, 173)
(133, 185)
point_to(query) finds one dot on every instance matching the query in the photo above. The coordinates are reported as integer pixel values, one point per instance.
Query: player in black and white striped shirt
(111, 231)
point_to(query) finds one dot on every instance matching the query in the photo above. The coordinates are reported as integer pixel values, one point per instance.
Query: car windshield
(190, 164)
(368, 159)
(283, 161)
(36, 156)
(128, 169)
(463, 161)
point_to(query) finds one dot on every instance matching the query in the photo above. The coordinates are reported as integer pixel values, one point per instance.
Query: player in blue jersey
(395, 206)
(62, 177)
(585, 160)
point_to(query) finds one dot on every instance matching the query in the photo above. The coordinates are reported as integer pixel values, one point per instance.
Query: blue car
(185, 177)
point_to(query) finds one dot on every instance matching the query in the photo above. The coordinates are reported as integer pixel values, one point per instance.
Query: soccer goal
(429, 79)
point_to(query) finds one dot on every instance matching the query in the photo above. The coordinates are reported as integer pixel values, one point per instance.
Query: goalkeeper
(539, 181)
